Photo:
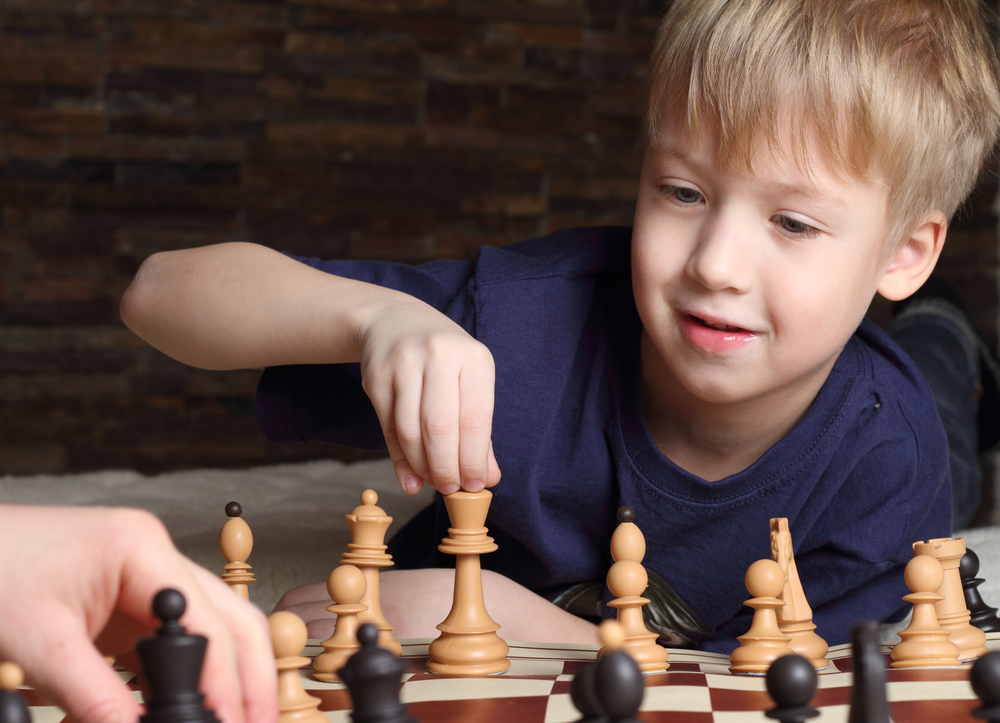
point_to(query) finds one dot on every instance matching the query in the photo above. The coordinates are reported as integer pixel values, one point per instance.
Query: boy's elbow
(140, 300)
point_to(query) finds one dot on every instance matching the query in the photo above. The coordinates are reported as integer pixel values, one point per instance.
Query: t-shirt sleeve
(326, 402)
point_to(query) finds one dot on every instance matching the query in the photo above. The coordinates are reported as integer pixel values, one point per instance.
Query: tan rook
(952, 613)
(367, 552)
(468, 644)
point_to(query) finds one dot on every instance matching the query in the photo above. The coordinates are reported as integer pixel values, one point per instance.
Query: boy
(706, 368)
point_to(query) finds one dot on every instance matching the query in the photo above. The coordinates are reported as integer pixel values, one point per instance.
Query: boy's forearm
(242, 306)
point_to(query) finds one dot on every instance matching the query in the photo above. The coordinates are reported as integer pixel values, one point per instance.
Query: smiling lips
(714, 336)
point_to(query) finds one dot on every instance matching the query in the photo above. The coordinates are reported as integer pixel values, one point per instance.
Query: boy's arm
(239, 305)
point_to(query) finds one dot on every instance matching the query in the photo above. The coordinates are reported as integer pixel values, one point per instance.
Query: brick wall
(394, 129)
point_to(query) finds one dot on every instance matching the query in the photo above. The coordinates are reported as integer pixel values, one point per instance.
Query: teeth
(720, 327)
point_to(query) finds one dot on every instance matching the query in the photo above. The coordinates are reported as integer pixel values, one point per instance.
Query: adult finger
(248, 629)
(64, 665)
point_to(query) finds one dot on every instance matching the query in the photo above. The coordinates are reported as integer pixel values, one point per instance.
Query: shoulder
(580, 252)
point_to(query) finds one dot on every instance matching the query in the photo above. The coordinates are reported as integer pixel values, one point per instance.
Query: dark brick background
(394, 129)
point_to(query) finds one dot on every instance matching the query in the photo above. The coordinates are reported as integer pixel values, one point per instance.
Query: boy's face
(749, 286)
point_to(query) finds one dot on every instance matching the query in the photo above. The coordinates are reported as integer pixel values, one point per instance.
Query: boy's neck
(714, 441)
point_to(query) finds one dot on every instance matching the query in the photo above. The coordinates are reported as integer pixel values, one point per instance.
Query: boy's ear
(914, 259)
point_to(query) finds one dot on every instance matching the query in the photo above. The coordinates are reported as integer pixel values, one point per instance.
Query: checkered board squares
(698, 688)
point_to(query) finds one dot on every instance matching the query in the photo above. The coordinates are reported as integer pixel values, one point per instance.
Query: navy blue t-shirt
(861, 476)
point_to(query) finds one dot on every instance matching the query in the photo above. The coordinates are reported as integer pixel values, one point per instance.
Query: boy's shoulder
(576, 252)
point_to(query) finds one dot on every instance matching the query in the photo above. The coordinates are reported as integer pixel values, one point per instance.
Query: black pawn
(172, 662)
(13, 706)
(618, 687)
(791, 683)
(583, 693)
(868, 697)
(985, 679)
(983, 616)
(373, 677)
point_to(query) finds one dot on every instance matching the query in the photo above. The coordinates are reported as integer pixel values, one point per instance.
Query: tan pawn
(764, 642)
(468, 644)
(236, 543)
(627, 580)
(795, 616)
(924, 643)
(367, 552)
(952, 612)
(11, 676)
(346, 586)
(288, 638)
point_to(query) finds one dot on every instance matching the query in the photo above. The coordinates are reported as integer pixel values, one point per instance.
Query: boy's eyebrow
(811, 192)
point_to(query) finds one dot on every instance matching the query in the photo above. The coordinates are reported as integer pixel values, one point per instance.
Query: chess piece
(373, 677)
(925, 643)
(346, 586)
(791, 683)
(985, 680)
(868, 694)
(468, 644)
(980, 614)
(952, 613)
(764, 642)
(367, 552)
(795, 617)
(618, 684)
(172, 662)
(627, 580)
(583, 694)
(236, 543)
(288, 638)
(13, 706)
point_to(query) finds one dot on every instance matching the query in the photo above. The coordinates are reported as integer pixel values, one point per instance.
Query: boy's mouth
(719, 327)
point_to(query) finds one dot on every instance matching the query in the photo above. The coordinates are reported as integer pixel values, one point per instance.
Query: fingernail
(474, 485)
(411, 483)
(448, 489)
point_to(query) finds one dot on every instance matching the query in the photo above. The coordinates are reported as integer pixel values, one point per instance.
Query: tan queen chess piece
(795, 616)
(468, 644)
(764, 642)
(924, 643)
(346, 586)
(952, 612)
(288, 638)
(236, 543)
(367, 552)
(627, 580)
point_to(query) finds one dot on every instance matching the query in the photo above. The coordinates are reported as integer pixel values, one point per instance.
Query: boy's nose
(721, 259)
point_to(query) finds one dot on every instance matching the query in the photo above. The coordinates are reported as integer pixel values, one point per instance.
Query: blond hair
(900, 92)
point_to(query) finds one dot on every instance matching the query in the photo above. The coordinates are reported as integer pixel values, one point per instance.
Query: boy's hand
(72, 576)
(432, 388)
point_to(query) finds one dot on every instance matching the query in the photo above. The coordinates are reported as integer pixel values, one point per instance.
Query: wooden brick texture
(395, 129)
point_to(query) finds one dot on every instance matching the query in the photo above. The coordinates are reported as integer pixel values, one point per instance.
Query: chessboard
(698, 688)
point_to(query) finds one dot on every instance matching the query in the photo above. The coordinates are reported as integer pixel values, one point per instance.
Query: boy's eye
(793, 226)
(681, 193)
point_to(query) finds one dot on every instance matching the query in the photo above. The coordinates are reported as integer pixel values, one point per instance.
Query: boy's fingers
(439, 415)
(475, 425)
(405, 415)
(493, 476)
(410, 481)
